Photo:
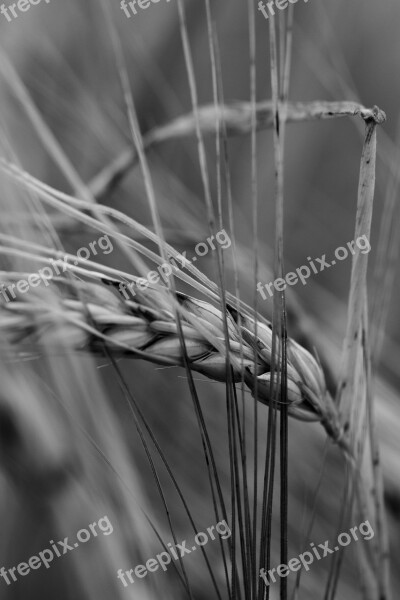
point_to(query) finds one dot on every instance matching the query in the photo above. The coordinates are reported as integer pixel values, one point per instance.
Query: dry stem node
(374, 114)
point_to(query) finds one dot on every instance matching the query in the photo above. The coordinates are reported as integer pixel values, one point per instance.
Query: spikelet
(94, 316)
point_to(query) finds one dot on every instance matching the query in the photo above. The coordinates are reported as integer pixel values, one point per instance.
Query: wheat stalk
(236, 118)
(97, 316)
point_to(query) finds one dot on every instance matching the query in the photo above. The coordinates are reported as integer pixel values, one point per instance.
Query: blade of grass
(254, 204)
(44, 133)
(350, 394)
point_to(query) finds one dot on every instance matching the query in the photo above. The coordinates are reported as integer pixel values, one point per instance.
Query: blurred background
(63, 54)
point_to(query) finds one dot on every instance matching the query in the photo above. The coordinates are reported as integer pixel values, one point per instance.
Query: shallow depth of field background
(341, 51)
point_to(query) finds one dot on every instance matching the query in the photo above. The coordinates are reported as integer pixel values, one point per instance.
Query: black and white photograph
(199, 322)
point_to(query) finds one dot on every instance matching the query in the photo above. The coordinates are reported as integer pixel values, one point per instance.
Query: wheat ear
(97, 316)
